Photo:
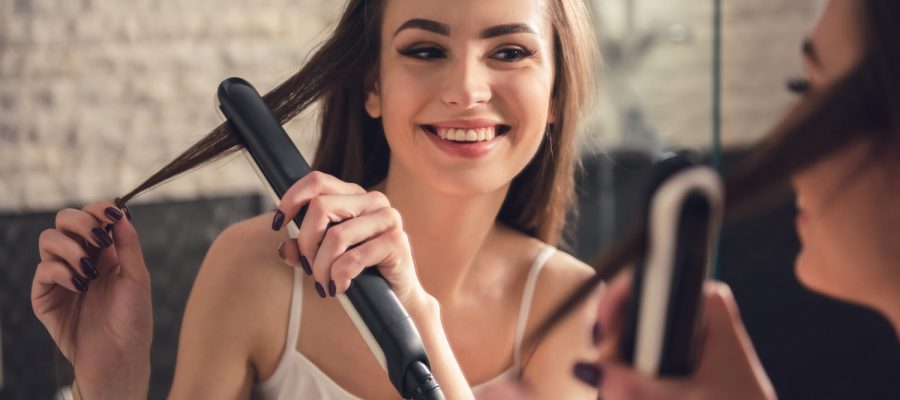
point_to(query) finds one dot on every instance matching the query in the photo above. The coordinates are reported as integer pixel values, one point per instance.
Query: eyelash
(427, 53)
(799, 86)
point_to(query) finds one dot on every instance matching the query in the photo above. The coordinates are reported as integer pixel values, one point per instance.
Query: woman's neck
(446, 232)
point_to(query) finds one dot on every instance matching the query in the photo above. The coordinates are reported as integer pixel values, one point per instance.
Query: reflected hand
(727, 367)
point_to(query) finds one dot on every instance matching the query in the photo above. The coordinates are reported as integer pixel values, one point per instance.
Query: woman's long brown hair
(865, 104)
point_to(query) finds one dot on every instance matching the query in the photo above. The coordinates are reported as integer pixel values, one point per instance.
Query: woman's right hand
(100, 271)
(728, 367)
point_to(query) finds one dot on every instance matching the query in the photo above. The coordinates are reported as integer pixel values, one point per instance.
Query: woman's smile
(465, 138)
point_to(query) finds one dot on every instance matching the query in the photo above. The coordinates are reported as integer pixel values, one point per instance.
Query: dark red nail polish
(108, 228)
(331, 288)
(320, 290)
(79, 284)
(278, 220)
(596, 333)
(88, 268)
(281, 250)
(588, 373)
(101, 237)
(305, 264)
(112, 213)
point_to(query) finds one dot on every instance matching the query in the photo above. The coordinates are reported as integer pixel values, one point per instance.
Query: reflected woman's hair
(865, 104)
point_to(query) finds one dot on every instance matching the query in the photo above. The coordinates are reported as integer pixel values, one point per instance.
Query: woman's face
(848, 222)
(464, 90)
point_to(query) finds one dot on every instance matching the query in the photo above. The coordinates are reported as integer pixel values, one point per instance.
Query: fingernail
(305, 264)
(596, 334)
(101, 237)
(331, 288)
(113, 214)
(589, 374)
(320, 290)
(79, 284)
(108, 228)
(277, 220)
(88, 268)
(281, 250)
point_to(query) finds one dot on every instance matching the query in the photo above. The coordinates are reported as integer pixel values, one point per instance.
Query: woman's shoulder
(561, 270)
(244, 261)
(242, 279)
(248, 239)
(547, 367)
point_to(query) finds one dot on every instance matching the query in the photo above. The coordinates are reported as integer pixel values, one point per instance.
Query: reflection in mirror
(654, 94)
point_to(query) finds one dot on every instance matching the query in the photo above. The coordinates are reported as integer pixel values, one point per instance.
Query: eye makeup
(798, 85)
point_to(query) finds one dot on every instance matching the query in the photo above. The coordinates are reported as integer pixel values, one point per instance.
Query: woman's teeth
(467, 135)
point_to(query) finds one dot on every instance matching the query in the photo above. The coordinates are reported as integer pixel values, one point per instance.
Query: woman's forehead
(467, 17)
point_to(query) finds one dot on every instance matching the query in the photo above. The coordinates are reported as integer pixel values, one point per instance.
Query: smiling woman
(446, 156)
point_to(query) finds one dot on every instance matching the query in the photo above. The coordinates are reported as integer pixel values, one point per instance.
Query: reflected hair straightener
(682, 213)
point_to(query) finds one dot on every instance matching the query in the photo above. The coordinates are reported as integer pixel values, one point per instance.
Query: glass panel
(654, 94)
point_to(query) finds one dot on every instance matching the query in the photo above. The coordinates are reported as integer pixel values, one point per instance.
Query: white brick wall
(97, 94)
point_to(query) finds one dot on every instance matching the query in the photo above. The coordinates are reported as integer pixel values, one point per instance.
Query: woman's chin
(809, 274)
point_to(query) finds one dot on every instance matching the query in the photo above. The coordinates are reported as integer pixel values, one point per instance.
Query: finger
(612, 310)
(55, 245)
(350, 264)
(289, 252)
(725, 337)
(84, 225)
(325, 211)
(127, 248)
(104, 211)
(307, 188)
(50, 274)
(339, 239)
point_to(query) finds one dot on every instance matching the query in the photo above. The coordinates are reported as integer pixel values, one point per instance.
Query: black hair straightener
(682, 213)
(370, 303)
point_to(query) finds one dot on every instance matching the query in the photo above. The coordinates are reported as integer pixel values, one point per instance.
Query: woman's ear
(373, 102)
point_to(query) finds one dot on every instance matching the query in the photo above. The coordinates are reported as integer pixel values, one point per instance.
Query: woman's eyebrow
(506, 29)
(444, 29)
(425, 24)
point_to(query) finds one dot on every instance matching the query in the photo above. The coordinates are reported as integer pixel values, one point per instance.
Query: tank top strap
(296, 309)
(525, 307)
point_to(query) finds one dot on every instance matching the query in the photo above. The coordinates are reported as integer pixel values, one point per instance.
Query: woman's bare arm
(237, 306)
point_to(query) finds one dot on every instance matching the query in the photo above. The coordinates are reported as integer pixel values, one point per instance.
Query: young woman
(446, 150)
(841, 149)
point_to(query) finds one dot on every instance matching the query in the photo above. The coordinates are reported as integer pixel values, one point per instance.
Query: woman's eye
(509, 54)
(423, 53)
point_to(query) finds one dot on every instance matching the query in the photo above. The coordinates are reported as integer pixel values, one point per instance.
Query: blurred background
(97, 94)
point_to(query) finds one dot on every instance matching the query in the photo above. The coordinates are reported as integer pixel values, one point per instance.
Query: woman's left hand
(346, 230)
(727, 367)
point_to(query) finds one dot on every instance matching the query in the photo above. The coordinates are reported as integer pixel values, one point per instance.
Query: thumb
(128, 250)
(611, 310)
(619, 381)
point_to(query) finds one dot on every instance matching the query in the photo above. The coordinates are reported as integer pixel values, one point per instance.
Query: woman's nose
(468, 85)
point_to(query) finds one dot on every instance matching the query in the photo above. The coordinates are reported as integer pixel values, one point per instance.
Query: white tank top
(296, 377)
